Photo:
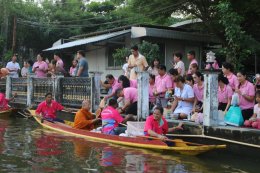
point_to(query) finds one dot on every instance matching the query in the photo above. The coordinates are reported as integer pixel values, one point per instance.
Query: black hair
(135, 48)
(257, 93)
(200, 75)
(81, 52)
(118, 91)
(180, 79)
(192, 52)
(30, 62)
(155, 59)
(162, 67)
(173, 72)
(189, 78)
(110, 76)
(242, 72)
(125, 81)
(112, 102)
(159, 108)
(48, 94)
(223, 79)
(57, 54)
(178, 54)
(152, 76)
(228, 66)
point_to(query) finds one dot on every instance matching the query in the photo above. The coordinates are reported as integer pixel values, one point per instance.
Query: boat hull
(126, 141)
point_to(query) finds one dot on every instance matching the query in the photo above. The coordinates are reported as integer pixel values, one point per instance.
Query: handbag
(234, 116)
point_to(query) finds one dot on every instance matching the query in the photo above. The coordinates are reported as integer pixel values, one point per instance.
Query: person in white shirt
(179, 65)
(125, 67)
(13, 67)
(25, 69)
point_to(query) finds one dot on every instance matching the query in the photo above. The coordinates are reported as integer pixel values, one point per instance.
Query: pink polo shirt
(194, 61)
(42, 70)
(116, 85)
(152, 88)
(110, 119)
(133, 83)
(49, 111)
(198, 91)
(162, 83)
(233, 82)
(60, 63)
(247, 89)
(158, 127)
(3, 102)
(214, 65)
(225, 94)
(130, 94)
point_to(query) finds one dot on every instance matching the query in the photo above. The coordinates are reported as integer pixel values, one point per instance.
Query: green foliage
(120, 54)
(7, 56)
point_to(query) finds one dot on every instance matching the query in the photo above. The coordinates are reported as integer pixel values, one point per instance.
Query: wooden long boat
(137, 142)
(6, 112)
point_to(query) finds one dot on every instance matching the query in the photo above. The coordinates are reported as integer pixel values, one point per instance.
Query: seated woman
(83, 118)
(4, 101)
(157, 126)
(225, 93)
(189, 80)
(111, 119)
(183, 99)
(198, 90)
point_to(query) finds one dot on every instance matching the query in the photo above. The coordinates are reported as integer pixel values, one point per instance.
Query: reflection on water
(27, 147)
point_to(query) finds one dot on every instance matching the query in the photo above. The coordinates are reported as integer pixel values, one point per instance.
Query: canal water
(27, 147)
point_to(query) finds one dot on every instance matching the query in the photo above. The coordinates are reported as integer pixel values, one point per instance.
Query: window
(111, 62)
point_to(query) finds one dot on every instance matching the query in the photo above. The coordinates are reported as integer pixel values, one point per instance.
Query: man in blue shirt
(82, 67)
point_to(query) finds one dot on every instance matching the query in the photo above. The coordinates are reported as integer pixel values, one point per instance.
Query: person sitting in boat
(84, 118)
(48, 108)
(130, 96)
(157, 126)
(111, 119)
(4, 101)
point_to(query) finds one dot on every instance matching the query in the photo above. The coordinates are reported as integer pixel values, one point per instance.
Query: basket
(135, 128)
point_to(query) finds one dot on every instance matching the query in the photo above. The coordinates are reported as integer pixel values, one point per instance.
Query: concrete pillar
(8, 91)
(29, 90)
(143, 95)
(56, 87)
(210, 101)
(95, 94)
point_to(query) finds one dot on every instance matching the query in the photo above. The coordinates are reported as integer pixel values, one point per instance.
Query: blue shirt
(83, 63)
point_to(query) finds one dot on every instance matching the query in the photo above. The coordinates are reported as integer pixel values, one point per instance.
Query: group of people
(43, 68)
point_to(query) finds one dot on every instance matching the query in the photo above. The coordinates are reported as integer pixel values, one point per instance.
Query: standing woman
(227, 70)
(73, 68)
(40, 67)
(198, 89)
(152, 89)
(153, 69)
(246, 92)
(225, 93)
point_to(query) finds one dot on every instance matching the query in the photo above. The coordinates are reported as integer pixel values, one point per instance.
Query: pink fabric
(3, 102)
(249, 90)
(60, 63)
(152, 88)
(214, 65)
(233, 82)
(42, 70)
(224, 94)
(152, 124)
(130, 94)
(254, 124)
(162, 83)
(111, 118)
(116, 85)
(133, 83)
(49, 111)
(194, 61)
(72, 71)
(198, 92)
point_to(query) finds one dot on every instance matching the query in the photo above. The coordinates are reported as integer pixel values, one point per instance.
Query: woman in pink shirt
(152, 89)
(246, 92)
(198, 89)
(227, 70)
(40, 67)
(224, 93)
(73, 68)
(125, 82)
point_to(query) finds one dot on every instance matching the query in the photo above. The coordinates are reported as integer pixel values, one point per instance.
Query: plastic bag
(235, 99)
(234, 116)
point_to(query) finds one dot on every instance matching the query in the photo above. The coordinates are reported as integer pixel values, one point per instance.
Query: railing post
(143, 95)
(210, 106)
(8, 91)
(95, 94)
(29, 90)
(56, 88)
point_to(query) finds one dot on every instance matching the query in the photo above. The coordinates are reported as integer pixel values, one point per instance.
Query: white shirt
(180, 65)
(186, 92)
(13, 66)
(125, 69)
(257, 111)
(24, 72)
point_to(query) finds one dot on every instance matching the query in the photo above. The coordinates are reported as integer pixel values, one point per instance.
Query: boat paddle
(171, 140)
